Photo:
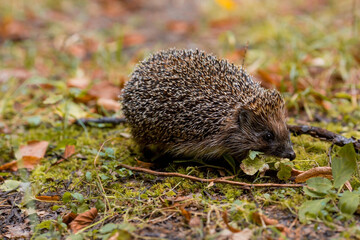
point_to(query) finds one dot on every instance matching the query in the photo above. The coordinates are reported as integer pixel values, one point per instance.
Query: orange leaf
(29, 155)
(260, 218)
(12, 166)
(133, 39)
(35, 149)
(325, 172)
(83, 220)
(28, 162)
(142, 164)
(13, 29)
(105, 90)
(180, 27)
(225, 218)
(109, 104)
(69, 151)
(186, 214)
(78, 82)
(48, 198)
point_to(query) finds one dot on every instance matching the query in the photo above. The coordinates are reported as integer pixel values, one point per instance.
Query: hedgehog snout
(291, 155)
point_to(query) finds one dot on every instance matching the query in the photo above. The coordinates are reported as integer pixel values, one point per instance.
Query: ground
(65, 60)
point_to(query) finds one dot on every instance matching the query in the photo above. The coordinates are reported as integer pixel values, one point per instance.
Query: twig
(323, 134)
(215, 180)
(114, 121)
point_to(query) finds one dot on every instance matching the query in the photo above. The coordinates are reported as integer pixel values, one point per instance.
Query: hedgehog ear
(244, 117)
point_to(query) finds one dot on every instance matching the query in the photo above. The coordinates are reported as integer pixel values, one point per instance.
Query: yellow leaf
(227, 4)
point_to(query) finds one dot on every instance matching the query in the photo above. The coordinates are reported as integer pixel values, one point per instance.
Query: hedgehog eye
(268, 136)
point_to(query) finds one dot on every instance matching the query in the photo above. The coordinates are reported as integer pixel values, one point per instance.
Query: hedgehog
(191, 104)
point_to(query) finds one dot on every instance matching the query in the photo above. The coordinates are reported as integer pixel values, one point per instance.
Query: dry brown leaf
(195, 222)
(260, 218)
(106, 90)
(109, 104)
(83, 220)
(13, 29)
(69, 151)
(133, 39)
(348, 186)
(295, 172)
(224, 23)
(48, 198)
(269, 78)
(68, 218)
(325, 172)
(186, 214)
(28, 162)
(180, 27)
(225, 218)
(78, 82)
(11, 166)
(36, 149)
(29, 156)
(6, 74)
(142, 164)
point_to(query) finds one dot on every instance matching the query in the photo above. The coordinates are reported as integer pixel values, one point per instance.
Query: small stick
(111, 120)
(215, 180)
(323, 134)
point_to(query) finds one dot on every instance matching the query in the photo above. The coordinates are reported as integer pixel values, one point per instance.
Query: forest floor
(65, 60)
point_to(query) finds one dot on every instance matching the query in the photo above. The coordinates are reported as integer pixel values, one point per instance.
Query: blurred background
(309, 50)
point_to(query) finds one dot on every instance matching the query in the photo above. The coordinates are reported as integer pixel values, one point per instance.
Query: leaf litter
(81, 61)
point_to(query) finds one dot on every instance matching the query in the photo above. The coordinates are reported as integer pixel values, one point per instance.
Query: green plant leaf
(344, 166)
(348, 202)
(250, 167)
(66, 197)
(254, 154)
(312, 208)
(9, 185)
(285, 172)
(78, 196)
(319, 184)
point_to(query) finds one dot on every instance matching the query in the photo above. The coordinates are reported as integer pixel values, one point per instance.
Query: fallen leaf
(261, 219)
(35, 149)
(13, 29)
(29, 156)
(48, 198)
(225, 218)
(12, 166)
(186, 214)
(83, 220)
(68, 218)
(106, 90)
(142, 164)
(269, 77)
(133, 39)
(69, 151)
(109, 104)
(78, 82)
(224, 23)
(6, 74)
(195, 222)
(295, 172)
(227, 4)
(180, 27)
(325, 172)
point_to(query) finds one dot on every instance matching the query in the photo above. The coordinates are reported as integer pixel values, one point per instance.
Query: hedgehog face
(264, 133)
